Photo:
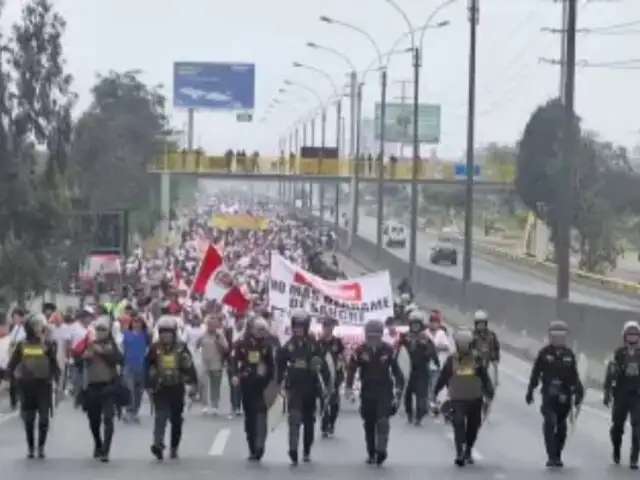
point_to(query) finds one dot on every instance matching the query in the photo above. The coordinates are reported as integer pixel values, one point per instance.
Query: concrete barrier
(521, 319)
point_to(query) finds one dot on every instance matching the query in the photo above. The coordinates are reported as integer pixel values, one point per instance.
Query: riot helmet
(631, 333)
(463, 339)
(558, 332)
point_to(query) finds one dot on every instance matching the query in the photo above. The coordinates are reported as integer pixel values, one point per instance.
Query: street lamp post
(416, 60)
(383, 78)
(323, 125)
(353, 81)
(470, 160)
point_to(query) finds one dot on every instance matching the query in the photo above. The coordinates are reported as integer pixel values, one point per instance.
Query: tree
(35, 110)
(598, 166)
(114, 142)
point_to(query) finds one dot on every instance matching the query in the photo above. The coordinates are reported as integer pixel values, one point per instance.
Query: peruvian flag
(215, 282)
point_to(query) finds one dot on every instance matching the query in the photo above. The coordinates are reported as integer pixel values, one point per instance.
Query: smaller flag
(215, 282)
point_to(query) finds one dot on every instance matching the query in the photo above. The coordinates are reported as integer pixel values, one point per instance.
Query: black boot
(633, 458)
(29, 428)
(293, 456)
(460, 458)
(371, 457)
(259, 453)
(43, 430)
(381, 457)
(468, 456)
(158, 452)
(616, 454)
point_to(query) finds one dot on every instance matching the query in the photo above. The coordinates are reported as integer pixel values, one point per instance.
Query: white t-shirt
(192, 334)
(441, 339)
(77, 333)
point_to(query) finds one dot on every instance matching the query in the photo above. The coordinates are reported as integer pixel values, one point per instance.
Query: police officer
(334, 347)
(622, 384)
(301, 361)
(252, 366)
(422, 354)
(101, 360)
(169, 368)
(486, 344)
(556, 369)
(381, 386)
(470, 392)
(34, 366)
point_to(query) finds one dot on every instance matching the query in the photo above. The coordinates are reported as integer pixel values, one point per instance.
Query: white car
(395, 235)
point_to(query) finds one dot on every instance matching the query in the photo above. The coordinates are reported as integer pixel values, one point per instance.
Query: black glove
(529, 397)
(606, 401)
(577, 399)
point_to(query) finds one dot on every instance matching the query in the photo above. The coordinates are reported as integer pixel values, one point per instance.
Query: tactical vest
(99, 371)
(484, 347)
(168, 364)
(465, 384)
(35, 364)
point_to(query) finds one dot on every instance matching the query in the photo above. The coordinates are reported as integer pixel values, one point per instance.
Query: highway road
(511, 277)
(510, 446)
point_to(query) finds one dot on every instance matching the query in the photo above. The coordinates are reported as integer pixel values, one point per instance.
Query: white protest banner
(351, 302)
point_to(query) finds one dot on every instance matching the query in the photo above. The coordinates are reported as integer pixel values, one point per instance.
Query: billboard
(399, 123)
(214, 86)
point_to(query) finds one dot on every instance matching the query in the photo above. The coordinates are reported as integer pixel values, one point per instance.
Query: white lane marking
(220, 442)
(476, 454)
(5, 417)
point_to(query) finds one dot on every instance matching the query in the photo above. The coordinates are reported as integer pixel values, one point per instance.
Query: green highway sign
(399, 123)
(244, 117)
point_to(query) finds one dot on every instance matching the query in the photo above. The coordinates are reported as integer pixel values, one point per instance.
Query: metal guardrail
(328, 167)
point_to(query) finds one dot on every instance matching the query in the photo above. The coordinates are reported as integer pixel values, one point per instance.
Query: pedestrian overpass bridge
(326, 170)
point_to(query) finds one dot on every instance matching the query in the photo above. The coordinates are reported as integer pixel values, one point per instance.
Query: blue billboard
(214, 86)
(460, 170)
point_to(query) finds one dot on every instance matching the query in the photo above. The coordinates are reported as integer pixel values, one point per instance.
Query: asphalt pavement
(509, 447)
(512, 277)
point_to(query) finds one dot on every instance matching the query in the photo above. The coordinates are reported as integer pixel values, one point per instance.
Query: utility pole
(403, 99)
(563, 243)
(474, 17)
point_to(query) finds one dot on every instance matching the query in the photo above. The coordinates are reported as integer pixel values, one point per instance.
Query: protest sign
(351, 302)
(240, 221)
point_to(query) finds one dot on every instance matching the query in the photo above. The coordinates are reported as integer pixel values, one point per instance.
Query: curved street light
(335, 52)
(321, 105)
(416, 64)
(356, 127)
(336, 92)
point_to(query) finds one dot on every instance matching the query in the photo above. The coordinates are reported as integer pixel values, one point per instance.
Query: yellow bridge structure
(324, 169)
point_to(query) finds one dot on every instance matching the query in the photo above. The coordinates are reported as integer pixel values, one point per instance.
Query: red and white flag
(215, 282)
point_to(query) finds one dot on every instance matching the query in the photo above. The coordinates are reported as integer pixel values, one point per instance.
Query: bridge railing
(322, 167)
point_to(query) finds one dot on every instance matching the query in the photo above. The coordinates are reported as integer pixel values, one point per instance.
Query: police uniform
(34, 367)
(422, 354)
(381, 386)
(556, 369)
(252, 366)
(486, 344)
(168, 369)
(334, 347)
(101, 360)
(301, 361)
(622, 385)
(470, 390)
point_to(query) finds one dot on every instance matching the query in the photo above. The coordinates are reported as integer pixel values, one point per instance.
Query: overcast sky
(151, 34)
